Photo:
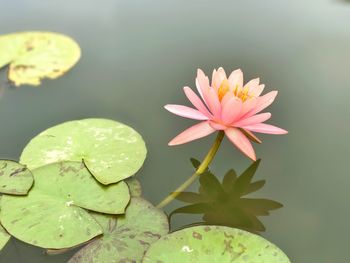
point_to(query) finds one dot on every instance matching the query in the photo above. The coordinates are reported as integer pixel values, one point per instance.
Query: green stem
(202, 167)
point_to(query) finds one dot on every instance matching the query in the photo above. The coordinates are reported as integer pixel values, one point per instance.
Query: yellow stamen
(244, 94)
(239, 92)
(224, 88)
(236, 90)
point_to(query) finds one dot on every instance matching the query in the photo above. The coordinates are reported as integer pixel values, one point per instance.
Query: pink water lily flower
(229, 105)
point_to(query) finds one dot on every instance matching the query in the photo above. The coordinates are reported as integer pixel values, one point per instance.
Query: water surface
(137, 56)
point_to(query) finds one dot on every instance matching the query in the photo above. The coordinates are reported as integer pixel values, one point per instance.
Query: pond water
(137, 56)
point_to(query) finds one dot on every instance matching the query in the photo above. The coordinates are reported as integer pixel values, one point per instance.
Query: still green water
(137, 56)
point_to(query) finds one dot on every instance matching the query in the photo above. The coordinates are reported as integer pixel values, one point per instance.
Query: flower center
(243, 93)
(239, 92)
(223, 89)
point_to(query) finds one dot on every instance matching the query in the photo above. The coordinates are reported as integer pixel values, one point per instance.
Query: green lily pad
(103, 219)
(52, 214)
(32, 56)
(4, 237)
(111, 150)
(213, 244)
(125, 238)
(134, 186)
(15, 179)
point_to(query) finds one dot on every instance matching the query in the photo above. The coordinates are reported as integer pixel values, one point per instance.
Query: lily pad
(213, 244)
(134, 186)
(103, 219)
(125, 238)
(52, 214)
(111, 150)
(32, 56)
(15, 178)
(4, 237)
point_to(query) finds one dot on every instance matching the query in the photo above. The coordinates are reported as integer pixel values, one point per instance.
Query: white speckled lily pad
(125, 238)
(111, 150)
(215, 244)
(35, 55)
(15, 178)
(105, 219)
(52, 214)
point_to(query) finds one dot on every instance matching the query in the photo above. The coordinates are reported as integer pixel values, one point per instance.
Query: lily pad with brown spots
(125, 238)
(53, 213)
(213, 244)
(103, 219)
(112, 151)
(32, 56)
(15, 178)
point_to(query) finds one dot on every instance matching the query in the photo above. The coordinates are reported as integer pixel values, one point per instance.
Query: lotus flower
(230, 106)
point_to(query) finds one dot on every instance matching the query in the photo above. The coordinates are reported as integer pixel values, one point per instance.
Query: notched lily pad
(127, 237)
(111, 150)
(106, 220)
(32, 56)
(213, 244)
(52, 214)
(15, 178)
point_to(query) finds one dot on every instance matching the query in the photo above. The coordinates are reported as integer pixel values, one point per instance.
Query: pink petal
(217, 126)
(253, 119)
(265, 128)
(231, 110)
(186, 112)
(248, 106)
(252, 83)
(251, 136)
(257, 90)
(214, 103)
(195, 132)
(226, 98)
(217, 77)
(263, 102)
(202, 83)
(254, 88)
(213, 76)
(241, 142)
(196, 101)
(236, 78)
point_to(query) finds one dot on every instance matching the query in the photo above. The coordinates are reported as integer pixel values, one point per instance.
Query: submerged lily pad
(213, 244)
(32, 56)
(125, 238)
(225, 203)
(51, 215)
(15, 179)
(4, 237)
(111, 150)
(134, 186)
